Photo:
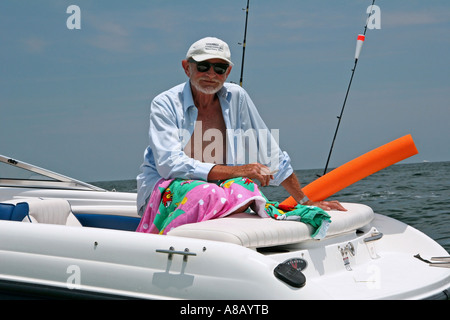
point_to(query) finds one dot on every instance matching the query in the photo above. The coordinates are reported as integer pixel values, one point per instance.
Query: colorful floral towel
(176, 202)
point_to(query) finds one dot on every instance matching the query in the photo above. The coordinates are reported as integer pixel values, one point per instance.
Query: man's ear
(229, 70)
(185, 65)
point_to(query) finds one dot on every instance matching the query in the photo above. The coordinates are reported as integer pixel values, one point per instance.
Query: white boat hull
(60, 261)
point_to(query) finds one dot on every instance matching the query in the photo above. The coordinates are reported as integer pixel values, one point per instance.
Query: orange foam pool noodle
(358, 169)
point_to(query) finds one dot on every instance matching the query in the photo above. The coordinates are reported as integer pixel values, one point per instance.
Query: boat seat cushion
(13, 210)
(254, 232)
(6, 210)
(50, 211)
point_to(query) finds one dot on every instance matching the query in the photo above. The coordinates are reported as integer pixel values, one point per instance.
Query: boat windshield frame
(45, 179)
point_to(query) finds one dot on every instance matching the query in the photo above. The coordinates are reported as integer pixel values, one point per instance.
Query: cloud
(416, 18)
(112, 28)
(107, 32)
(116, 32)
(110, 43)
(34, 45)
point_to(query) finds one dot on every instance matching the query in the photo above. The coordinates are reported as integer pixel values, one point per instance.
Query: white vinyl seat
(251, 231)
(49, 211)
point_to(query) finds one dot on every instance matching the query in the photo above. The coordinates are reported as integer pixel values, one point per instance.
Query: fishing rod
(244, 43)
(359, 43)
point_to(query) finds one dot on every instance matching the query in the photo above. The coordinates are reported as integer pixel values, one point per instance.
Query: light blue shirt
(172, 122)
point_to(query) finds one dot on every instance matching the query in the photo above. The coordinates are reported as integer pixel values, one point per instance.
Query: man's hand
(254, 171)
(326, 205)
(292, 185)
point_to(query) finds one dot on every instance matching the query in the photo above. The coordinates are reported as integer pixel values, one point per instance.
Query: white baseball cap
(209, 48)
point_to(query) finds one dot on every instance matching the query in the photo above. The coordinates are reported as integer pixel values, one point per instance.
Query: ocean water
(417, 194)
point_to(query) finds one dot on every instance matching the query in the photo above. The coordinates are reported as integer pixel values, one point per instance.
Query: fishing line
(359, 43)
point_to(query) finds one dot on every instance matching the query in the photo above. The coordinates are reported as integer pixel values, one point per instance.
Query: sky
(76, 101)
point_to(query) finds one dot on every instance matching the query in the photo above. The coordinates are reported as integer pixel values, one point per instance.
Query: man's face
(208, 82)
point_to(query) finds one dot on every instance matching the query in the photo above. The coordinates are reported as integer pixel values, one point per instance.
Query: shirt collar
(188, 100)
(223, 92)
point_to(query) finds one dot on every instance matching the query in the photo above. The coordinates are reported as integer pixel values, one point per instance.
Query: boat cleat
(370, 242)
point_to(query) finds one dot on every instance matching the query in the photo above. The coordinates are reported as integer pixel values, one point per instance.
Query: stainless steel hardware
(375, 236)
(349, 248)
(442, 262)
(171, 251)
(370, 242)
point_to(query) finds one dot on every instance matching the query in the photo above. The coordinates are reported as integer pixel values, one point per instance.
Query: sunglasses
(204, 66)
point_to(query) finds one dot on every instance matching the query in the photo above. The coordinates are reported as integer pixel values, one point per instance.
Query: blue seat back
(14, 212)
(108, 221)
(6, 210)
(21, 210)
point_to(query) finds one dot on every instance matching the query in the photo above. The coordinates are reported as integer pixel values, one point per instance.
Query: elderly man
(194, 128)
